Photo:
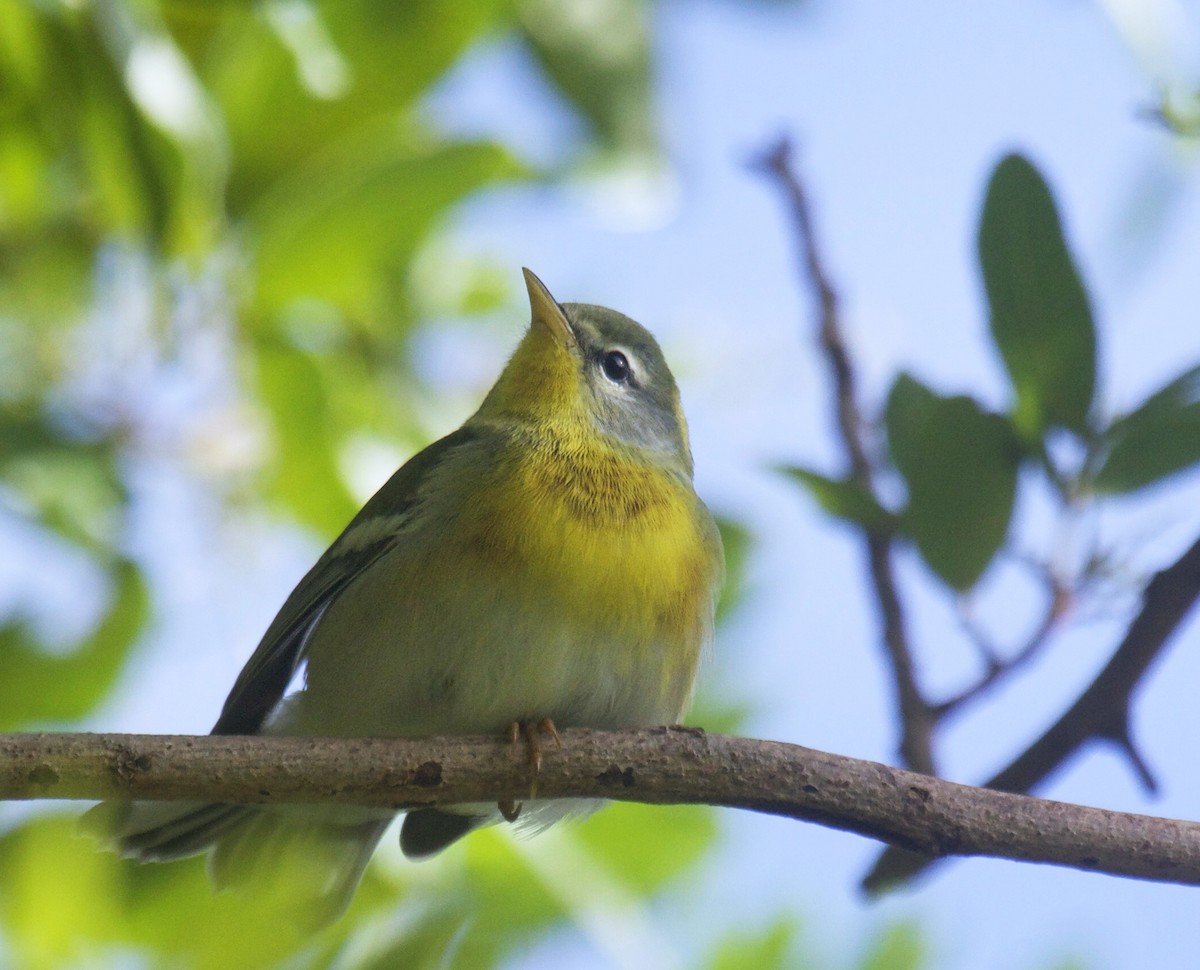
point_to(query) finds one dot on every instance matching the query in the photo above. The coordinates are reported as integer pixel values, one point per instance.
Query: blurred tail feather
(308, 863)
(312, 864)
(161, 831)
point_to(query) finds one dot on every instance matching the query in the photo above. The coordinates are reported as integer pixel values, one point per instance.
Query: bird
(547, 565)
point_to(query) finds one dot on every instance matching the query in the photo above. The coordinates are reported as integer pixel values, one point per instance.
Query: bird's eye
(616, 366)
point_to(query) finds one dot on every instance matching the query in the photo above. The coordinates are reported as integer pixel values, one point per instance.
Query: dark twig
(1102, 711)
(916, 717)
(998, 669)
(655, 766)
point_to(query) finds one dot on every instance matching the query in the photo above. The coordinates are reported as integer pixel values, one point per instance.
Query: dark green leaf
(960, 464)
(1157, 440)
(844, 499)
(1041, 320)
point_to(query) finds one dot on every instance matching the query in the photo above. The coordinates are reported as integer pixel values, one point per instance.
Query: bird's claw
(532, 732)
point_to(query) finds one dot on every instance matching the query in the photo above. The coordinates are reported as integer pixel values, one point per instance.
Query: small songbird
(547, 564)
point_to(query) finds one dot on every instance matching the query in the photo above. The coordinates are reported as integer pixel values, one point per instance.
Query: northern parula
(548, 563)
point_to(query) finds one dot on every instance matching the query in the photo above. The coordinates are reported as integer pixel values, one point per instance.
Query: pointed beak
(547, 312)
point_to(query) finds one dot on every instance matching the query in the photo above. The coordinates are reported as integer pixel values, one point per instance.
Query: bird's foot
(532, 732)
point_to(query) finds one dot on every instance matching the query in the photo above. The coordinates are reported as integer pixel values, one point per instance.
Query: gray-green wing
(262, 682)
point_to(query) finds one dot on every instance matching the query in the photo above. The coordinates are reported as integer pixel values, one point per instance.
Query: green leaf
(649, 845)
(960, 464)
(73, 488)
(1041, 320)
(770, 949)
(844, 499)
(736, 540)
(719, 714)
(39, 686)
(292, 79)
(601, 64)
(50, 921)
(502, 918)
(306, 478)
(1155, 441)
(899, 947)
(111, 906)
(343, 227)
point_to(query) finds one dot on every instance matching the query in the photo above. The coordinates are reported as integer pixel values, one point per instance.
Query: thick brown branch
(1100, 713)
(658, 766)
(916, 717)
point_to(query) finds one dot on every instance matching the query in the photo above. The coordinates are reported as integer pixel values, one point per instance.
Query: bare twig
(916, 716)
(656, 766)
(1101, 712)
(998, 668)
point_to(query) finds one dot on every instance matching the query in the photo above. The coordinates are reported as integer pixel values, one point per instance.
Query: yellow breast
(619, 542)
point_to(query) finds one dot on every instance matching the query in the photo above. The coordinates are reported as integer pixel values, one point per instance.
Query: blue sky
(900, 111)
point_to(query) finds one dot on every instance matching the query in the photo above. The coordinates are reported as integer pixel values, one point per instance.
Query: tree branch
(1101, 712)
(655, 766)
(917, 718)
(996, 668)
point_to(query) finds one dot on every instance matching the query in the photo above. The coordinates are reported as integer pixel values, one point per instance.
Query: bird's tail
(310, 860)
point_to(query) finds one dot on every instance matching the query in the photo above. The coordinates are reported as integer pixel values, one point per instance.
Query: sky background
(899, 112)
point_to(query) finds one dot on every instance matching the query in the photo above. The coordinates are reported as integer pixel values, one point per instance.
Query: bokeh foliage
(281, 152)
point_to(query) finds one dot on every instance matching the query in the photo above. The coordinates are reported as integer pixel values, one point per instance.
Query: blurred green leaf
(646, 846)
(111, 906)
(770, 949)
(306, 478)
(134, 170)
(718, 714)
(960, 464)
(1155, 441)
(509, 902)
(1041, 320)
(344, 226)
(38, 686)
(600, 61)
(430, 944)
(70, 485)
(291, 79)
(96, 166)
(844, 499)
(23, 432)
(737, 542)
(49, 920)
(899, 947)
